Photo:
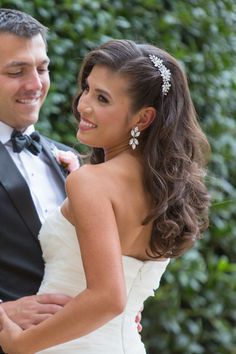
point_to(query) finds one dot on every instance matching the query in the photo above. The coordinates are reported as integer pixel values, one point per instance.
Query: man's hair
(21, 24)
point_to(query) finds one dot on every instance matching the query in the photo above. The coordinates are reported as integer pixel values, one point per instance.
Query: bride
(140, 202)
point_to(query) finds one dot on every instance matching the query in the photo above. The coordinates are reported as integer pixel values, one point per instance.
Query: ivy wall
(194, 311)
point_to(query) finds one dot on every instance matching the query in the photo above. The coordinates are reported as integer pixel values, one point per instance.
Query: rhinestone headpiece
(165, 73)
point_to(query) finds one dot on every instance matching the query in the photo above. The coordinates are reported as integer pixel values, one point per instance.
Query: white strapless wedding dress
(64, 273)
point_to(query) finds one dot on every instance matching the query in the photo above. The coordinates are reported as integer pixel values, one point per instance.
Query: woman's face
(104, 107)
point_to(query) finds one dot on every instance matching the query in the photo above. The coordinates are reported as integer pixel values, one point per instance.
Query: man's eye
(16, 73)
(43, 70)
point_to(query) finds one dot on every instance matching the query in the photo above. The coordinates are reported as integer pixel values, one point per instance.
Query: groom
(31, 180)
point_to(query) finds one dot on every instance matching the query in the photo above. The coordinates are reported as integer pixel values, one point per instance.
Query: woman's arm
(92, 213)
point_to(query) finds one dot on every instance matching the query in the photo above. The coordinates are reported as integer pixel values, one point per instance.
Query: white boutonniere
(66, 159)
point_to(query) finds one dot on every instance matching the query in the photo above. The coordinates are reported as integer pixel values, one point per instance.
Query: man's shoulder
(58, 144)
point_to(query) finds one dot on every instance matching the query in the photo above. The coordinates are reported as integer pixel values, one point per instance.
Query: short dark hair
(21, 24)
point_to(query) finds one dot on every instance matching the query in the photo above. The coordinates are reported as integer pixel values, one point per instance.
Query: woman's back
(120, 335)
(131, 204)
(122, 177)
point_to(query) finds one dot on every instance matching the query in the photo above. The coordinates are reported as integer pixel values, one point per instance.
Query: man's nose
(34, 81)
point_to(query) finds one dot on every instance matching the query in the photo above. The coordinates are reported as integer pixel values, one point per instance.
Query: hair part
(21, 24)
(174, 148)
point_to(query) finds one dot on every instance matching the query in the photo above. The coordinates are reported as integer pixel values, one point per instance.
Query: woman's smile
(85, 124)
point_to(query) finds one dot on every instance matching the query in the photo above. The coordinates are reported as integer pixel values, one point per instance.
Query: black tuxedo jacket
(21, 264)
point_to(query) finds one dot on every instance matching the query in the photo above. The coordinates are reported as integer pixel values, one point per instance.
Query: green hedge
(194, 311)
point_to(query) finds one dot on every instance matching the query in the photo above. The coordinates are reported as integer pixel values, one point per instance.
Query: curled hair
(173, 147)
(21, 24)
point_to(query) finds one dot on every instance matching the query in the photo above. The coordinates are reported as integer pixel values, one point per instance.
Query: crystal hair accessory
(165, 73)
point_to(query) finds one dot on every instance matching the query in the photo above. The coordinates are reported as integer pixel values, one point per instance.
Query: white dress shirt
(38, 175)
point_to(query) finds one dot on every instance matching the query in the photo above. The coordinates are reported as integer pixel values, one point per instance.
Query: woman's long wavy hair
(174, 148)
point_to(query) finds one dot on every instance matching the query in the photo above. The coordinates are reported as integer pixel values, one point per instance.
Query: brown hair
(173, 147)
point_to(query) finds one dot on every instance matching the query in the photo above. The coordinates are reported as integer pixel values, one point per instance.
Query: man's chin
(25, 123)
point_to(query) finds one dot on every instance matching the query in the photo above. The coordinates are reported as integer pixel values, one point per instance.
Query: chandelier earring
(134, 137)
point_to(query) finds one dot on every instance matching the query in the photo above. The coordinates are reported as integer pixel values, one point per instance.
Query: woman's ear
(145, 117)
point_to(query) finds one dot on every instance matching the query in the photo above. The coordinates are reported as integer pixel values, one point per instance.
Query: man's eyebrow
(13, 64)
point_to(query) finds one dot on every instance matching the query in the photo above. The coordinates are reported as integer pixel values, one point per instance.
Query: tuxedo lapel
(47, 149)
(18, 191)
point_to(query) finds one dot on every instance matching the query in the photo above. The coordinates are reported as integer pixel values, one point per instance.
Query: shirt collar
(6, 131)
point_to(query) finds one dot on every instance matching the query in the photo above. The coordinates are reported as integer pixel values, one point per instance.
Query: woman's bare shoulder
(85, 171)
(88, 178)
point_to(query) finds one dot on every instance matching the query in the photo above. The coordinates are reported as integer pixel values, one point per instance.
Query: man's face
(24, 79)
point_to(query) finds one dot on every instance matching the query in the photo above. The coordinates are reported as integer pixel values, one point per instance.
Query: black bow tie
(30, 142)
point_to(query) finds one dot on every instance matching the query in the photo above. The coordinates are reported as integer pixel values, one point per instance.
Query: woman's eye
(102, 99)
(85, 86)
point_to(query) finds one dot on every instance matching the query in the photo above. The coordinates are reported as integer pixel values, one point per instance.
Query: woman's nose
(83, 107)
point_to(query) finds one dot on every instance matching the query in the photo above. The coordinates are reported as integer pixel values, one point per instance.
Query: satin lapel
(18, 191)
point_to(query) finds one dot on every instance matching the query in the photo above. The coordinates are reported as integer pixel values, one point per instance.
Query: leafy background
(194, 311)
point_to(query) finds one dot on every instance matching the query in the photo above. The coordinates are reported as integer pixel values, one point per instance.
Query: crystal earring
(134, 134)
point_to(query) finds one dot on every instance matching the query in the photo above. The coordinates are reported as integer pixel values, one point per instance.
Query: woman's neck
(116, 150)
